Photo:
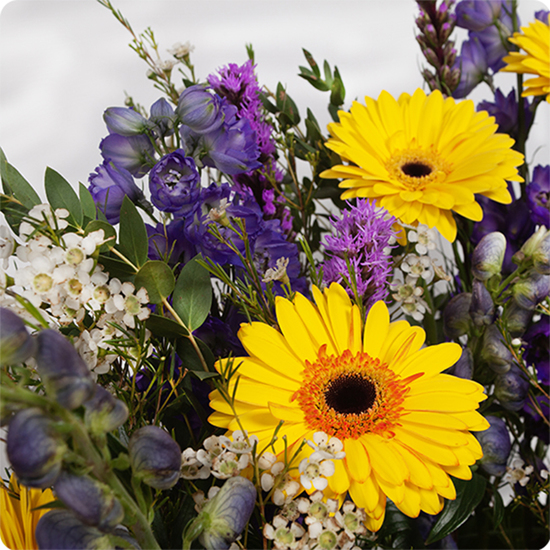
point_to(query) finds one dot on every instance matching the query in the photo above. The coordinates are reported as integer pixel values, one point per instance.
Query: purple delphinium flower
(109, 185)
(537, 348)
(174, 183)
(472, 63)
(361, 236)
(477, 15)
(163, 117)
(505, 111)
(538, 195)
(125, 121)
(200, 110)
(542, 15)
(133, 153)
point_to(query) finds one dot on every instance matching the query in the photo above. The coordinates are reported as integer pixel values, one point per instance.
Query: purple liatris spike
(360, 239)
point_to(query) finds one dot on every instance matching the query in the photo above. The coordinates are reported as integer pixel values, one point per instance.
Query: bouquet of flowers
(248, 331)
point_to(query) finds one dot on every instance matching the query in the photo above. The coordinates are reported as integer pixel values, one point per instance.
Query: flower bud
(511, 389)
(63, 371)
(199, 109)
(541, 256)
(456, 315)
(61, 530)
(496, 445)
(16, 344)
(155, 457)
(225, 516)
(482, 308)
(488, 256)
(104, 412)
(91, 501)
(495, 351)
(34, 449)
(531, 291)
(464, 367)
(532, 244)
(125, 122)
(516, 318)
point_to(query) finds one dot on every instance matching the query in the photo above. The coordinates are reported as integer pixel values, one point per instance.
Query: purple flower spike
(133, 153)
(174, 183)
(109, 185)
(538, 195)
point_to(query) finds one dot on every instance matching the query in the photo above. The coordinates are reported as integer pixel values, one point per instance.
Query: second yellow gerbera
(405, 426)
(423, 157)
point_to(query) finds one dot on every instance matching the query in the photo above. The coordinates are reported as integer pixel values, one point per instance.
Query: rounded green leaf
(157, 279)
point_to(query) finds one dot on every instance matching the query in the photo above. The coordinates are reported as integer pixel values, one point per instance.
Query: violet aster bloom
(538, 195)
(200, 110)
(361, 236)
(174, 183)
(133, 153)
(472, 63)
(109, 185)
(505, 111)
(477, 15)
(125, 121)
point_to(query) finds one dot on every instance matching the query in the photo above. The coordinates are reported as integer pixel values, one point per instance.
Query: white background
(63, 62)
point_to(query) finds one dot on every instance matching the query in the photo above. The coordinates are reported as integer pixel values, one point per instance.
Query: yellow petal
(376, 329)
(357, 460)
(384, 460)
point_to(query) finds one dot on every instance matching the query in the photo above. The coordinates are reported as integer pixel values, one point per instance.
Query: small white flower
(544, 474)
(266, 460)
(326, 448)
(242, 442)
(218, 214)
(418, 266)
(516, 473)
(314, 473)
(278, 273)
(180, 51)
(7, 244)
(191, 468)
(424, 237)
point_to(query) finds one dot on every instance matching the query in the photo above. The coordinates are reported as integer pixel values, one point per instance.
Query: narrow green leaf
(498, 509)
(87, 202)
(456, 512)
(61, 195)
(133, 235)
(13, 183)
(193, 295)
(157, 279)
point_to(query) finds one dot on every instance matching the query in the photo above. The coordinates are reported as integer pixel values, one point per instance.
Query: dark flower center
(416, 169)
(350, 394)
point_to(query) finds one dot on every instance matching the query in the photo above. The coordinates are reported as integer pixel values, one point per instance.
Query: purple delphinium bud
(532, 290)
(362, 235)
(35, 451)
(537, 346)
(109, 185)
(542, 15)
(91, 501)
(16, 344)
(505, 111)
(464, 367)
(163, 117)
(538, 195)
(200, 110)
(225, 516)
(174, 183)
(155, 457)
(472, 63)
(482, 308)
(496, 445)
(125, 121)
(104, 412)
(62, 530)
(456, 315)
(133, 153)
(477, 15)
(495, 351)
(488, 256)
(516, 318)
(63, 372)
(511, 389)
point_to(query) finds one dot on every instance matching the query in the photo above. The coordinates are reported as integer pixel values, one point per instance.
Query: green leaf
(157, 279)
(338, 92)
(312, 62)
(456, 512)
(87, 202)
(191, 360)
(193, 295)
(108, 230)
(117, 268)
(163, 327)
(498, 509)
(13, 210)
(13, 183)
(133, 235)
(61, 195)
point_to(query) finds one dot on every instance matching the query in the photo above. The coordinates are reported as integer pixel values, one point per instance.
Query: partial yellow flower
(405, 426)
(535, 41)
(423, 157)
(17, 519)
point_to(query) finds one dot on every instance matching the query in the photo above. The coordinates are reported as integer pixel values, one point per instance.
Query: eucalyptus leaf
(13, 183)
(164, 327)
(456, 512)
(157, 279)
(61, 195)
(133, 238)
(87, 202)
(190, 359)
(193, 295)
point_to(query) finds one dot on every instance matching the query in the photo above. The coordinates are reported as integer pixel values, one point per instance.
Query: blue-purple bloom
(361, 237)
(538, 195)
(472, 63)
(477, 15)
(163, 117)
(537, 349)
(200, 110)
(133, 153)
(125, 121)
(496, 445)
(109, 185)
(174, 183)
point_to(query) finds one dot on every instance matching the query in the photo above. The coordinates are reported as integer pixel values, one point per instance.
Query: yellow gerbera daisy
(535, 40)
(404, 425)
(422, 157)
(18, 519)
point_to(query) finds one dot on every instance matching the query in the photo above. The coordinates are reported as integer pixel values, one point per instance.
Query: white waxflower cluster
(517, 473)
(414, 269)
(62, 273)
